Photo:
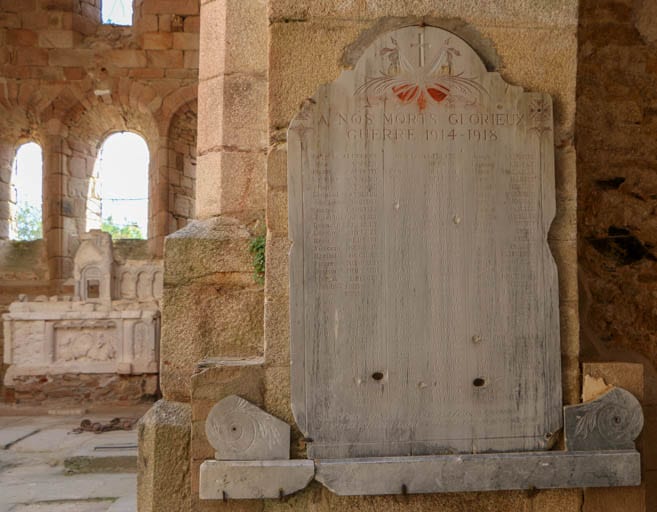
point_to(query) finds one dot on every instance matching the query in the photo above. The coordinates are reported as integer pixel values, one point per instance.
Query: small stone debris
(97, 427)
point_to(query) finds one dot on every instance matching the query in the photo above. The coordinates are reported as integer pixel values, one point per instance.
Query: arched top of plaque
(423, 294)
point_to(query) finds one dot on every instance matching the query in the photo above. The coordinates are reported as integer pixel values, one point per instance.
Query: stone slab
(103, 458)
(480, 472)
(423, 295)
(253, 479)
(11, 435)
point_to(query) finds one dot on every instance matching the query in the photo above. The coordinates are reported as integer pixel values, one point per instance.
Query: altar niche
(424, 301)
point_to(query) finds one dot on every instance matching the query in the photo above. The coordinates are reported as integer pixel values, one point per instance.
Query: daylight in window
(118, 190)
(26, 193)
(117, 12)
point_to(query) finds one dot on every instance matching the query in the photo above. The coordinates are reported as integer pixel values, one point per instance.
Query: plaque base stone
(479, 472)
(253, 479)
(600, 452)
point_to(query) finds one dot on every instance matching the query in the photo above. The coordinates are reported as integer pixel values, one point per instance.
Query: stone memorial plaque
(424, 301)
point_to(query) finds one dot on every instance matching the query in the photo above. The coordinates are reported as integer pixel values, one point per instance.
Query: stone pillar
(7, 153)
(212, 307)
(232, 112)
(55, 207)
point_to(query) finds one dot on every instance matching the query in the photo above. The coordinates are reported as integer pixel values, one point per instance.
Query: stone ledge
(224, 480)
(253, 479)
(479, 472)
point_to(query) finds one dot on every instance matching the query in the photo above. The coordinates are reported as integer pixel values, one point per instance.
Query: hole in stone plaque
(377, 375)
(478, 382)
(617, 420)
(93, 289)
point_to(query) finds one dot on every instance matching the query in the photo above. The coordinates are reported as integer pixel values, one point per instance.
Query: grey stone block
(253, 479)
(479, 472)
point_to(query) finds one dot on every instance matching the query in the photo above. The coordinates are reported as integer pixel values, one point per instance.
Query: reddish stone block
(9, 20)
(17, 5)
(182, 73)
(165, 58)
(57, 5)
(127, 58)
(191, 59)
(192, 24)
(68, 58)
(170, 7)
(30, 57)
(58, 39)
(147, 23)
(146, 73)
(35, 20)
(21, 37)
(185, 41)
(83, 25)
(74, 73)
(157, 40)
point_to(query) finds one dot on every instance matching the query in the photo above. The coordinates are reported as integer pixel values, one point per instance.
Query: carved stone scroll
(610, 422)
(238, 430)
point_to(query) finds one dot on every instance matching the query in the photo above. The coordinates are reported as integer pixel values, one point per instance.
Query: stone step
(103, 458)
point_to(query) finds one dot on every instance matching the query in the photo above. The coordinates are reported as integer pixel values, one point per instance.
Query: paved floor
(46, 468)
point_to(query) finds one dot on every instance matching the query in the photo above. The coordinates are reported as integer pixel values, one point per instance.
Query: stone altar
(110, 325)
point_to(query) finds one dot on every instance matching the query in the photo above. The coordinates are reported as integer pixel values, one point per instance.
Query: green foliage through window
(119, 231)
(28, 222)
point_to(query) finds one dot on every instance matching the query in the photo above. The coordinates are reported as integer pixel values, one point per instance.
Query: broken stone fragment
(238, 430)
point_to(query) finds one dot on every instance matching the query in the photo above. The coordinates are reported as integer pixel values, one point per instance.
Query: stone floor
(46, 468)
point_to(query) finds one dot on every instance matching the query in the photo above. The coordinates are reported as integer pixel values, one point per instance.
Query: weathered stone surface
(163, 480)
(398, 344)
(610, 422)
(210, 300)
(254, 479)
(506, 13)
(483, 472)
(238, 430)
(629, 376)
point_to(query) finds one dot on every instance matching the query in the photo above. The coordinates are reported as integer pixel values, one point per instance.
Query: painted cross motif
(435, 81)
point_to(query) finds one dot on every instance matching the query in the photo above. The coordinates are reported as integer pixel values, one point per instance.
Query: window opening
(118, 189)
(116, 12)
(26, 193)
(93, 289)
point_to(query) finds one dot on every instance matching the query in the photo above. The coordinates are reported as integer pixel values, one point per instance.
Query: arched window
(26, 193)
(118, 190)
(116, 12)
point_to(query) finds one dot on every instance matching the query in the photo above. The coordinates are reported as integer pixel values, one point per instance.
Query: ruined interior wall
(67, 82)
(182, 166)
(617, 187)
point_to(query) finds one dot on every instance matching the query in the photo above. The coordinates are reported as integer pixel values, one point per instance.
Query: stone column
(55, 206)
(7, 153)
(212, 307)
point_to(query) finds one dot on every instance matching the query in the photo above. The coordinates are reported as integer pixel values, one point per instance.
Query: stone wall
(617, 191)
(67, 82)
(250, 89)
(532, 44)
